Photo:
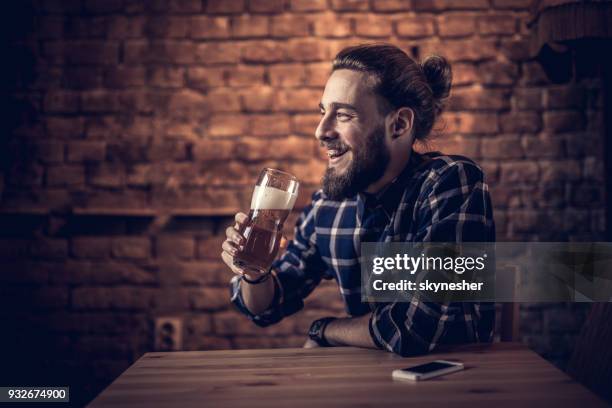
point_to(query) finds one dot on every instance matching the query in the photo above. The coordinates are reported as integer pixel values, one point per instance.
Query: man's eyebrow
(338, 105)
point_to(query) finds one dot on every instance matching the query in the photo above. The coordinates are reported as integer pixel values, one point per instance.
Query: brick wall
(135, 129)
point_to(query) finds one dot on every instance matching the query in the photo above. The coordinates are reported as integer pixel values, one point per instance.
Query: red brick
(464, 74)
(298, 100)
(266, 6)
(520, 122)
(269, 125)
(223, 100)
(217, 53)
(227, 125)
(172, 52)
(290, 26)
(108, 176)
(470, 123)
(305, 124)
(372, 26)
(204, 78)
(559, 170)
(565, 97)
(209, 299)
(209, 272)
(46, 152)
(225, 7)
(479, 98)
(308, 50)
(308, 5)
(185, 6)
(99, 101)
(439, 5)
(214, 150)
(100, 6)
(390, 5)
(462, 50)
(187, 104)
(287, 75)
(131, 247)
(92, 52)
(456, 25)
(543, 145)
(518, 172)
(80, 151)
(499, 24)
(264, 52)
(210, 247)
(162, 150)
(135, 51)
(124, 77)
(171, 246)
(533, 74)
(246, 76)
(249, 26)
(118, 298)
(90, 247)
(563, 121)
(49, 248)
(167, 27)
(204, 27)
(317, 74)
(257, 99)
(527, 98)
(120, 27)
(512, 4)
(515, 50)
(65, 175)
(464, 145)
(166, 77)
(332, 25)
(287, 148)
(498, 73)
(349, 5)
(414, 27)
(502, 147)
(61, 102)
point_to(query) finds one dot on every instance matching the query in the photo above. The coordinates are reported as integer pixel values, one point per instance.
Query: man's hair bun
(439, 75)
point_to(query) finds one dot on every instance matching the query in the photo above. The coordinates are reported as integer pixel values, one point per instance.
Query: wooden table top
(498, 375)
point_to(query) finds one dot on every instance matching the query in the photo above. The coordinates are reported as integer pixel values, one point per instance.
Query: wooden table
(503, 374)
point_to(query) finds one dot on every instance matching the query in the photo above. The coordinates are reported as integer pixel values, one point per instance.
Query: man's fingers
(229, 247)
(229, 261)
(241, 217)
(232, 234)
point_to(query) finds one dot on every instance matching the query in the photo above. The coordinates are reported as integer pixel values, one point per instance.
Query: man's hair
(401, 81)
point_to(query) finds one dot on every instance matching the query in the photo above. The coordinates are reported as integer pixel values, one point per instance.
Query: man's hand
(310, 344)
(232, 244)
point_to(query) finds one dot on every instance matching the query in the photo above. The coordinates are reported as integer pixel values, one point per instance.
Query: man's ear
(404, 120)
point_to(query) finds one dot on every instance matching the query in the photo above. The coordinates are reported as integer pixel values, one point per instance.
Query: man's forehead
(348, 86)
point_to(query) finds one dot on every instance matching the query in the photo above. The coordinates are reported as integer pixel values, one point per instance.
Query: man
(376, 188)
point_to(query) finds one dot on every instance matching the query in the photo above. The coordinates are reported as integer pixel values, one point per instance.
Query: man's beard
(367, 166)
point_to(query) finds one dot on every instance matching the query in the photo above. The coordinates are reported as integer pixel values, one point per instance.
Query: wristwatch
(317, 331)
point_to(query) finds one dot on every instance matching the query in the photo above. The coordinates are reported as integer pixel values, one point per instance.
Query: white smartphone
(427, 370)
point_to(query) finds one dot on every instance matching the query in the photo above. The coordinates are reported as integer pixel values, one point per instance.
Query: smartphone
(427, 370)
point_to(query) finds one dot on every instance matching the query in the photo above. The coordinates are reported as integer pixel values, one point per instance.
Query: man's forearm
(353, 331)
(257, 298)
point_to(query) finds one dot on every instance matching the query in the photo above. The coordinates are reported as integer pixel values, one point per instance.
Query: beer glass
(272, 201)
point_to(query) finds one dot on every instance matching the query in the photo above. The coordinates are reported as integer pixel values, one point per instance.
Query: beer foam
(270, 198)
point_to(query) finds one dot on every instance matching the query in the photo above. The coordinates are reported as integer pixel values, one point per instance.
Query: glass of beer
(272, 201)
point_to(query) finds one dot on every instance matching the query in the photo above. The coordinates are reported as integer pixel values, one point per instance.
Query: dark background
(134, 130)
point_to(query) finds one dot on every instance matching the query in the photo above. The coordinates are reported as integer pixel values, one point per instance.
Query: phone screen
(428, 368)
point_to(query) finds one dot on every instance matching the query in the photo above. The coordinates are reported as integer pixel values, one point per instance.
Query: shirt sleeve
(454, 207)
(296, 273)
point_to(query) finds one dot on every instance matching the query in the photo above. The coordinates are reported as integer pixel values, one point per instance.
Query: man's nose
(325, 131)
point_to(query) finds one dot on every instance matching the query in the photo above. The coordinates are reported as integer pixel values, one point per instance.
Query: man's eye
(343, 116)
(322, 113)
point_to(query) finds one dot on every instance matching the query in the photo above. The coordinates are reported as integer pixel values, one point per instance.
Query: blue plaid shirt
(436, 198)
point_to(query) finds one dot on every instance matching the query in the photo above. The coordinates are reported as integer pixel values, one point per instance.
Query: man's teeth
(334, 153)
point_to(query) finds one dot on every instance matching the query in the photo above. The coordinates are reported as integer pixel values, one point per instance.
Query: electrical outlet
(168, 333)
